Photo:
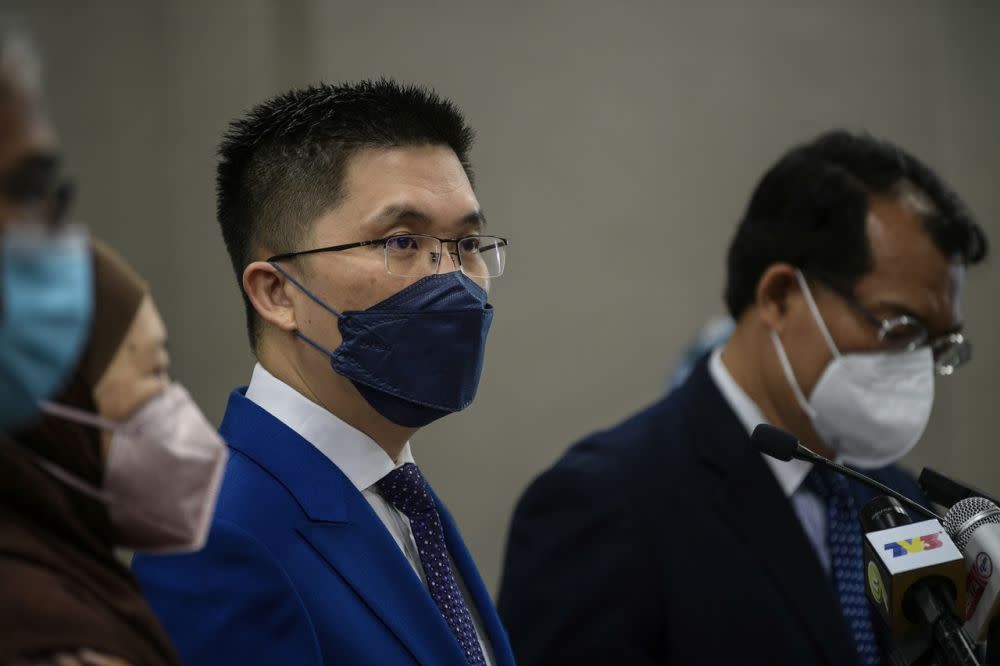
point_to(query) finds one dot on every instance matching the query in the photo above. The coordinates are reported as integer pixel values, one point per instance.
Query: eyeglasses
(906, 333)
(38, 182)
(419, 255)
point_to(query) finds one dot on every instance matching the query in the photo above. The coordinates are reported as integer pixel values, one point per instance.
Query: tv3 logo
(914, 545)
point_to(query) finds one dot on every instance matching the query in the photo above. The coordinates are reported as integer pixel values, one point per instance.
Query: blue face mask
(418, 355)
(48, 301)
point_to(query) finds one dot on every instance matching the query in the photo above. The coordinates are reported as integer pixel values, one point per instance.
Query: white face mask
(162, 476)
(871, 408)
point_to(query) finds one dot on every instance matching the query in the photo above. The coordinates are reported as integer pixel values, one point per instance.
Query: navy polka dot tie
(407, 490)
(843, 538)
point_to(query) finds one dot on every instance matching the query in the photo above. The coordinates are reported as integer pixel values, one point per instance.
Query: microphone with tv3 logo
(974, 524)
(915, 578)
(915, 573)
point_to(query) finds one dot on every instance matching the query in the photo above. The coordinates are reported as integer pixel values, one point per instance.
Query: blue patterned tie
(407, 490)
(843, 538)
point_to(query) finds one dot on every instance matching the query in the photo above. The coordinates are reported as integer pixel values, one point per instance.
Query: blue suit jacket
(299, 570)
(667, 540)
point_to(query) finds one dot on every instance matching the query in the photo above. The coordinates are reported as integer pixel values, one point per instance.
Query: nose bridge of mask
(452, 288)
(814, 309)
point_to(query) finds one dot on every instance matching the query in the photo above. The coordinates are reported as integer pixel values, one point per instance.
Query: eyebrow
(393, 213)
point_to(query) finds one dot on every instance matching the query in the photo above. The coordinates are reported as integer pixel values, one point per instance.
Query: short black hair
(282, 164)
(809, 210)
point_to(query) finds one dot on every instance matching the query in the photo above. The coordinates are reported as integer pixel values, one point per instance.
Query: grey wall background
(618, 143)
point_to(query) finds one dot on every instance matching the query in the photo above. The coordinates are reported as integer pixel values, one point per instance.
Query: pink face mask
(163, 472)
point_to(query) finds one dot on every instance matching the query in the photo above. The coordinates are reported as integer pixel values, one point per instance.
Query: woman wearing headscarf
(121, 458)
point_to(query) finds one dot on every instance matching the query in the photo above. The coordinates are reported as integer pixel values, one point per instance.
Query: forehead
(426, 179)
(902, 249)
(909, 270)
(25, 129)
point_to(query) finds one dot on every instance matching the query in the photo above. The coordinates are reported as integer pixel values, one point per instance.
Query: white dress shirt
(809, 507)
(361, 460)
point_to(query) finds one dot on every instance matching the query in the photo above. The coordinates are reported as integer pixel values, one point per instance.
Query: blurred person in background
(713, 333)
(670, 539)
(45, 280)
(120, 456)
(361, 250)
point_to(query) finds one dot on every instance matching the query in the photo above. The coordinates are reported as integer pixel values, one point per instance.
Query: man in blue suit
(669, 539)
(350, 218)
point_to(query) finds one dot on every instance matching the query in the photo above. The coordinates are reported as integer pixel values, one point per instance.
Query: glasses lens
(903, 333)
(482, 256)
(412, 255)
(951, 353)
(33, 180)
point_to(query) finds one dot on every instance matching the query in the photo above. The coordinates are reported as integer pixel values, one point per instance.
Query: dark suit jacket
(299, 570)
(667, 540)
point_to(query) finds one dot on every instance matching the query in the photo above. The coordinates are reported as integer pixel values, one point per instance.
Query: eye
(903, 333)
(469, 245)
(401, 243)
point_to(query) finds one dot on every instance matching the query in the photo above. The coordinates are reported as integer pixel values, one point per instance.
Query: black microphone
(974, 524)
(946, 491)
(783, 445)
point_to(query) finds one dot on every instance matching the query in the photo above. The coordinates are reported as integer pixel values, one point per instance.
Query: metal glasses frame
(501, 242)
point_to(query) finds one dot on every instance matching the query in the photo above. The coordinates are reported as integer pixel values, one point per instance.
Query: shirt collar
(357, 455)
(790, 474)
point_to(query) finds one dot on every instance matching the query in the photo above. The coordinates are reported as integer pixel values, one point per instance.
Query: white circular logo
(984, 565)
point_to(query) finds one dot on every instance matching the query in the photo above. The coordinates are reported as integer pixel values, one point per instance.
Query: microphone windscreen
(968, 515)
(775, 442)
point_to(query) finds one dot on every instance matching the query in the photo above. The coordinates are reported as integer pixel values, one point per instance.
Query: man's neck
(742, 357)
(339, 397)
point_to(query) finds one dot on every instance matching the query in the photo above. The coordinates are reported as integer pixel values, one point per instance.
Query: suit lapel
(370, 562)
(344, 531)
(752, 504)
(497, 635)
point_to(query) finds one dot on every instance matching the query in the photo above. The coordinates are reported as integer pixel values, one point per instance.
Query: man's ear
(266, 288)
(774, 288)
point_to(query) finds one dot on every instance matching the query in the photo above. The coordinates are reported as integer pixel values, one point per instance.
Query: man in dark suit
(669, 539)
(351, 222)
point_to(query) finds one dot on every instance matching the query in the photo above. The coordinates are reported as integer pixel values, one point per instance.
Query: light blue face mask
(46, 279)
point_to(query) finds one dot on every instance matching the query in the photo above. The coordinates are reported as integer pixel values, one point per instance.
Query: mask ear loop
(319, 302)
(77, 416)
(814, 309)
(786, 366)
